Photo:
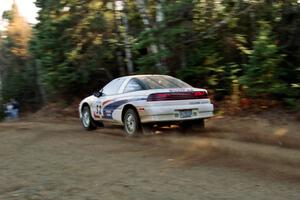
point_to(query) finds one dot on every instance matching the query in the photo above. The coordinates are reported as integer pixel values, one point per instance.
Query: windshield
(161, 82)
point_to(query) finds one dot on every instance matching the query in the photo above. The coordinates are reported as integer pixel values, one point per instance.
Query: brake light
(177, 96)
(162, 95)
(158, 97)
(201, 94)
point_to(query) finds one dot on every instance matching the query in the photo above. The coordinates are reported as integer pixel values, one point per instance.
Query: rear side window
(113, 87)
(133, 85)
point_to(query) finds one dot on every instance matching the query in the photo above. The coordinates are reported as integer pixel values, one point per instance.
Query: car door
(108, 93)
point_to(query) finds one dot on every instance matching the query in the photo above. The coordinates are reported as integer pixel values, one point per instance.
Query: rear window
(162, 82)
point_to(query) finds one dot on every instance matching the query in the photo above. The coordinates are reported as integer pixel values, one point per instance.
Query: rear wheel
(132, 124)
(87, 120)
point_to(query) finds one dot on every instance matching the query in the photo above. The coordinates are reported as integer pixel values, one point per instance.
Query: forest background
(242, 51)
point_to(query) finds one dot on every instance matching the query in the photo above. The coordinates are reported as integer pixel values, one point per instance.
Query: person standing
(8, 110)
(15, 108)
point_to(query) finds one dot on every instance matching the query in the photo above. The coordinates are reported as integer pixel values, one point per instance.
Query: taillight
(158, 97)
(177, 96)
(200, 94)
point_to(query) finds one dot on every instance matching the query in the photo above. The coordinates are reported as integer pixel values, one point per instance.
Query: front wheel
(132, 123)
(87, 120)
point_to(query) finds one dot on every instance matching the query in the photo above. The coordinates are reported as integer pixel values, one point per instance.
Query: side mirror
(98, 94)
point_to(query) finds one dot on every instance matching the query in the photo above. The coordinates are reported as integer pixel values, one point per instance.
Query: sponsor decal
(193, 103)
(199, 102)
(181, 90)
(110, 108)
(96, 115)
(107, 101)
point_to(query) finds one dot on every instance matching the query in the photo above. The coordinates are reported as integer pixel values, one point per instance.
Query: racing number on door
(98, 110)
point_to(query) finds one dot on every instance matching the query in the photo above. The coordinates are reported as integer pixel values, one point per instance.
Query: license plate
(185, 113)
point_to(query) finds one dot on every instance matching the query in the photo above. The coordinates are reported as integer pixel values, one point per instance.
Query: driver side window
(112, 87)
(132, 86)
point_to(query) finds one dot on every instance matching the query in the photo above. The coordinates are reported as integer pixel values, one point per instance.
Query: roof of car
(143, 75)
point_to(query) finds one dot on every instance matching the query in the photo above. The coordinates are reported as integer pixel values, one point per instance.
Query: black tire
(192, 125)
(132, 124)
(87, 121)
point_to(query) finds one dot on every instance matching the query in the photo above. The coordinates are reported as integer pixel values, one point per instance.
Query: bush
(261, 74)
(1, 114)
(292, 103)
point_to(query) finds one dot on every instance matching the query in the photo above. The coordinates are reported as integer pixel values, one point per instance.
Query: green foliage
(7, 15)
(72, 44)
(18, 77)
(262, 72)
(212, 75)
(210, 44)
(292, 103)
(170, 36)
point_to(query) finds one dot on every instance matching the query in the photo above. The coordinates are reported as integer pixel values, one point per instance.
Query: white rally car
(140, 101)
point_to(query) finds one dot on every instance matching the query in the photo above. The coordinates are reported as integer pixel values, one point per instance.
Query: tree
(209, 43)
(288, 30)
(151, 62)
(18, 78)
(73, 42)
(261, 75)
(123, 32)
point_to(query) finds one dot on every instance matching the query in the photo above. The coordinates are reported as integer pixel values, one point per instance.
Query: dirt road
(58, 160)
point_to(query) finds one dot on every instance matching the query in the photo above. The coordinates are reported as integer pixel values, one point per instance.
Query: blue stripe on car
(110, 108)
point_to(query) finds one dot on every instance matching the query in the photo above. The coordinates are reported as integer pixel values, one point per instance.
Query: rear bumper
(169, 113)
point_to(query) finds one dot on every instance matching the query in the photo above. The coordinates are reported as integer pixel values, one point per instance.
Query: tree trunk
(143, 11)
(145, 18)
(160, 17)
(127, 41)
(1, 89)
(116, 16)
(39, 83)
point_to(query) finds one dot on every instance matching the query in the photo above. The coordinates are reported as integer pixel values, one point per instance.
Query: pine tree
(73, 42)
(261, 75)
(17, 76)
